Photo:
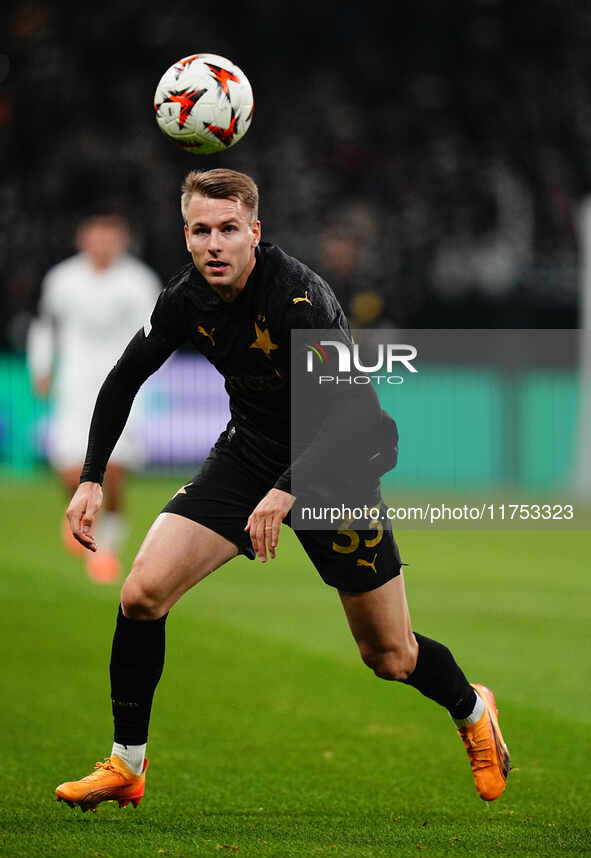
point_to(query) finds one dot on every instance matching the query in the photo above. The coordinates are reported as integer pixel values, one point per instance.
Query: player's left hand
(264, 522)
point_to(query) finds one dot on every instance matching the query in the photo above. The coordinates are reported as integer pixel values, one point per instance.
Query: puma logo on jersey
(208, 334)
(372, 565)
(305, 298)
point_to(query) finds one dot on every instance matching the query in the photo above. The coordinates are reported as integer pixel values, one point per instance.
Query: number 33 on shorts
(354, 560)
(349, 541)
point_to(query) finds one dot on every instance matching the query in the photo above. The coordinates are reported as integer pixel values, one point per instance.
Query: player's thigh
(176, 554)
(379, 619)
(365, 567)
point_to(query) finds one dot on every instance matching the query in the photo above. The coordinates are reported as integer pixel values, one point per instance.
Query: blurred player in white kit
(91, 304)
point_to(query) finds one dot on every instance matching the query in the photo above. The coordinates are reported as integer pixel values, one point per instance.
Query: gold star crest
(263, 341)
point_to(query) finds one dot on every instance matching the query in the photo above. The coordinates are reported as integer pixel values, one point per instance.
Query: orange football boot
(111, 780)
(488, 753)
(103, 566)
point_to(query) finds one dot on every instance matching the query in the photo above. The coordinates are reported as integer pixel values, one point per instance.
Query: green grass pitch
(269, 737)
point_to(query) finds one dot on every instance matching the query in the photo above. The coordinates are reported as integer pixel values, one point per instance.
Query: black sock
(438, 677)
(137, 661)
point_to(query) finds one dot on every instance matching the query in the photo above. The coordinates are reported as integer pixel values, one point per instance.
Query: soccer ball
(204, 103)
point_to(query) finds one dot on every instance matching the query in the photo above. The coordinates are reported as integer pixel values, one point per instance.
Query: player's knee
(138, 601)
(395, 662)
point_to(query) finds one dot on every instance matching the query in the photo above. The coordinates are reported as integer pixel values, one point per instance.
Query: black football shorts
(237, 474)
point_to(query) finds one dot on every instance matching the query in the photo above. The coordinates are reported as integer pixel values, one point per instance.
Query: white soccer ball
(204, 103)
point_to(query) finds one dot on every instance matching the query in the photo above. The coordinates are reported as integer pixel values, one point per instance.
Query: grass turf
(269, 738)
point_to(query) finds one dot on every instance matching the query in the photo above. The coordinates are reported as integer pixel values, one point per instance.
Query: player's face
(103, 243)
(221, 240)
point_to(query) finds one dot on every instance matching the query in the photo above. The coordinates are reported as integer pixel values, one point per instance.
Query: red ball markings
(182, 64)
(223, 76)
(187, 100)
(224, 135)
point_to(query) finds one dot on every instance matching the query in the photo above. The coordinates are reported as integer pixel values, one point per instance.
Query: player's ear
(255, 229)
(186, 228)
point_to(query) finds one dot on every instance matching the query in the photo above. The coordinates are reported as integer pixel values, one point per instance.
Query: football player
(237, 301)
(90, 305)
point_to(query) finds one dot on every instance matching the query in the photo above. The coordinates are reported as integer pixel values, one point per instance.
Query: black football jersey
(247, 340)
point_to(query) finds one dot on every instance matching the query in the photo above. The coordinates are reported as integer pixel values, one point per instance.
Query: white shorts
(68, 438)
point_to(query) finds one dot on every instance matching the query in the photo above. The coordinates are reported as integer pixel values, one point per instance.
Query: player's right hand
(82, 511)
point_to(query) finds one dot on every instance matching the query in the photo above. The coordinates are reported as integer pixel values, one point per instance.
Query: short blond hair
(221, 184)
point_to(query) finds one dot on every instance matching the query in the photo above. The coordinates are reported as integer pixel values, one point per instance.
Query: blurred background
(430, 161)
